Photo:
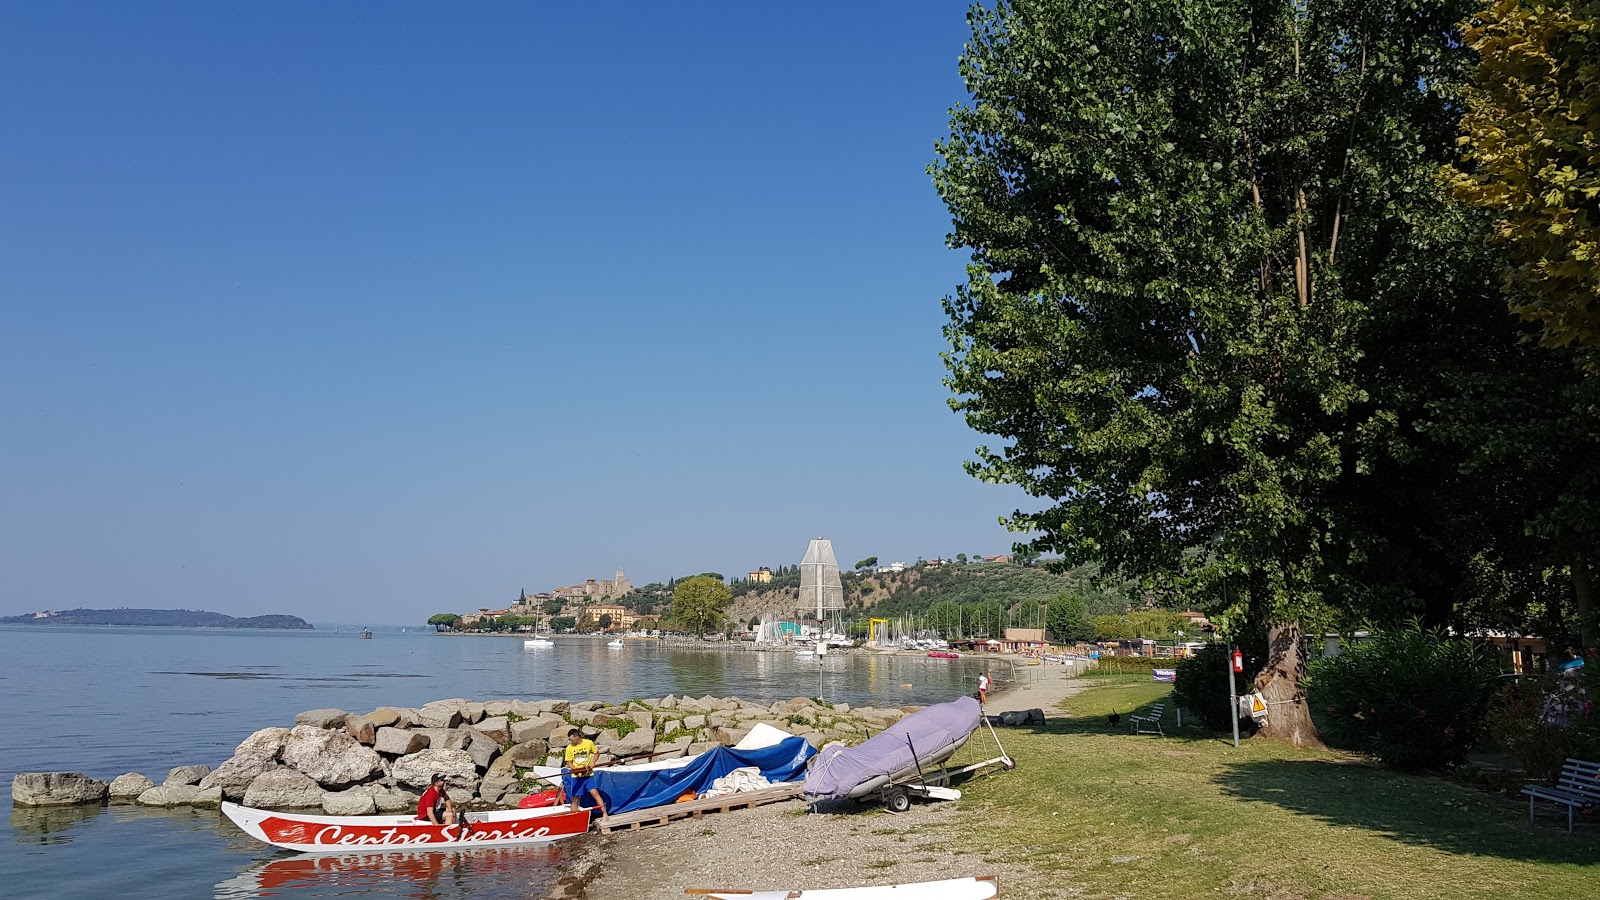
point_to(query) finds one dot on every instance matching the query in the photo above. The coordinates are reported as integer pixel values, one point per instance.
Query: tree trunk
(1583, 597)
(1288, 714)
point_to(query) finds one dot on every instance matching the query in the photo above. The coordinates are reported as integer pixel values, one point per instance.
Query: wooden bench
(1578, 786)
(1149, 723)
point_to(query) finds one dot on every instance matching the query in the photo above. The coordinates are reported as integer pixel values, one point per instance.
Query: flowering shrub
(1414, 698)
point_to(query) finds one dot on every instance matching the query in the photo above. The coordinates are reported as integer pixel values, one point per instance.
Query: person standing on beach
(983, 686)
(580, 757)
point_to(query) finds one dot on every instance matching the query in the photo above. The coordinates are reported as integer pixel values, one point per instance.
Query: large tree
(1212, 264)
(698, 603)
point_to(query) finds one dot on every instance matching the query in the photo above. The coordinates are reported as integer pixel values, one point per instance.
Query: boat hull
(980, 888)
(344, 834)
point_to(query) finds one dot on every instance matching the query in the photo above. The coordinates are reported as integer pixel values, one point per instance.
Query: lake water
(104, 701)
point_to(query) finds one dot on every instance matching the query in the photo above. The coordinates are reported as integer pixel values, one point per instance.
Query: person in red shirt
(435, 805)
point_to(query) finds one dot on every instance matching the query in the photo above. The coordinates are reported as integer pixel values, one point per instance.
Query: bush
(1541, 720)
(1123, 665)
(1414, 698)
(1202, 686)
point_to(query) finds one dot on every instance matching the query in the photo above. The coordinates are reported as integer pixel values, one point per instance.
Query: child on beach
(983, 687)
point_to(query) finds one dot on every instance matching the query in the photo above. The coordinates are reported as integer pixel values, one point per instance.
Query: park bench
(1150, 723)
(1578, 786)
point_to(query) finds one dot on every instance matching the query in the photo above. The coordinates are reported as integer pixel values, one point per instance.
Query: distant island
(172, 618)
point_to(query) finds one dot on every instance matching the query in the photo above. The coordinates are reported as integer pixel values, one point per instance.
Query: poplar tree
(1211, 256)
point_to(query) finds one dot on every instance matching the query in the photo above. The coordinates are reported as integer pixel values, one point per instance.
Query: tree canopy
(698, 603)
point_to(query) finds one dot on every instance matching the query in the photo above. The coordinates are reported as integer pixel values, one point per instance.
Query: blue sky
(368, 311)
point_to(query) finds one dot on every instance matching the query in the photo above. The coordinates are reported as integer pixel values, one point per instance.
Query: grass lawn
(1115, 815)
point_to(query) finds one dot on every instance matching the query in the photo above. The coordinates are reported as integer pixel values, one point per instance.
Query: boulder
(841, 708)
(642, 718)
(322, 718)
(587, 705)
(169, 795)
(348, 803)
(554, 706)
(673, 749)
(472, 711)
(731, 736)
(635, 742)
(670, 725)
(511, 799)
(441, 714)
(332, 758)
(399, 741)
(483, 749)
(461, 795)
(497, 728)
(56, 789)
(444, 738)
(589, 731)
(694, 722)
(521, 708)
(383, 716)
(527, 753)
(127, 788)
(815, 739)
(269, 740)
(362, 729)
(417, 769)
(189, 775)
(283, 788)
(234, 776)
(541, 727)
(668, 702)
(390, 801)
(209, 797)
(493, 786)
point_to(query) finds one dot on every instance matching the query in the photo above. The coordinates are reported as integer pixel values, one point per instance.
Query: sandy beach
(843, 844)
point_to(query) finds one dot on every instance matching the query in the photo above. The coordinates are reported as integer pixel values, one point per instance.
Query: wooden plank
(661, 815)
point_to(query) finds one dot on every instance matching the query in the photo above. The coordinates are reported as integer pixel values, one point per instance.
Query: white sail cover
(820, 588)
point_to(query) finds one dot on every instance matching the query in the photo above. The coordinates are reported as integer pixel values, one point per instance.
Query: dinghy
(344, 834)
(980, 888)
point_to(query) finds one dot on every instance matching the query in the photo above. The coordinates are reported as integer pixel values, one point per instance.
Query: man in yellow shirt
(580, 757)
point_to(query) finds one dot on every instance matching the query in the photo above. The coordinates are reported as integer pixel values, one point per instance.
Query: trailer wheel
(1009, 764)
(897, 801)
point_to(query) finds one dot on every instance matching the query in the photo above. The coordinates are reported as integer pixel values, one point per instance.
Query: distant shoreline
(157, 618)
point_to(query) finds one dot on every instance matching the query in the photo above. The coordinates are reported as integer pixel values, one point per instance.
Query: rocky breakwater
(379, 762)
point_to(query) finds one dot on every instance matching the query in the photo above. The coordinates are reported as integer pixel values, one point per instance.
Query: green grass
(1109, 814)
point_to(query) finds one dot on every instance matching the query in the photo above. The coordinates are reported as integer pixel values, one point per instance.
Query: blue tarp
(626, 790)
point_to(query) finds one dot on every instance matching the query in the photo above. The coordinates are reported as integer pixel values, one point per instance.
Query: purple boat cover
(838, 770)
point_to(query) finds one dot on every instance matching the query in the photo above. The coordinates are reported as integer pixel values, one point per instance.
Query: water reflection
(47, 825)
(419, 874)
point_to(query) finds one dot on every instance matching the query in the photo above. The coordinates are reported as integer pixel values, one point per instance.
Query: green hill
(171, 618)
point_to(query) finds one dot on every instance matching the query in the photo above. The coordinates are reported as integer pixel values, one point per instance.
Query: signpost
(1235, 666)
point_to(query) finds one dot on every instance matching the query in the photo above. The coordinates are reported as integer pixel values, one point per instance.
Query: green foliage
(1129, 665)
(554, 606)
(1413, 697)
(442, 621)
(1067, 619)
(698, 603)
(867, 563)
(1153, 624)
(604, 621)
(563, 623)
(1202, 686)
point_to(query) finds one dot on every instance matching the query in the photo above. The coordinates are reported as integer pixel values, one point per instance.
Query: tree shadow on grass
(1411, 809)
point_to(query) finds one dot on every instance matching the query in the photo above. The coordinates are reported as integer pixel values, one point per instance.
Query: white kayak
(980, 887)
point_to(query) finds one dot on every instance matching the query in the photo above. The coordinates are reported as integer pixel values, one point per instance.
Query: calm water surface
(105, 701)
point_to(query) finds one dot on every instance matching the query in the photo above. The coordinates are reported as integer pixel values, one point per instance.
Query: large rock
(554, 706)
(497, 728)
(400, 741)
(210, 797)
(127, 788)
(56, 789)
(514, 707)
(234, 776)
(471, 711)
(635, 742)
(731, 736)
(169, 795)
(446, 738)
(189, 775)
(586, 705)
(322, 718)
(362, 729)
(269, 740)
(383, 716)
(545, 726)
(332, 758)
(390, 801)
(348, 803)
(673, 749)
(416, 770)
(527, 753)
(694, 722)
(483, 749)
(442, 713)
(283, 789)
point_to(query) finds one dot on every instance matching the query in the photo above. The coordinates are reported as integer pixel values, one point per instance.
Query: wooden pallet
(661, 815)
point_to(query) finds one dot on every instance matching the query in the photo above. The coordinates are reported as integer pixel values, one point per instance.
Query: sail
(820, 588)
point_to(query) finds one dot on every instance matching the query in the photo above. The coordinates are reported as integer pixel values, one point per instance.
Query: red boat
(344, 834)
(945, 654)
